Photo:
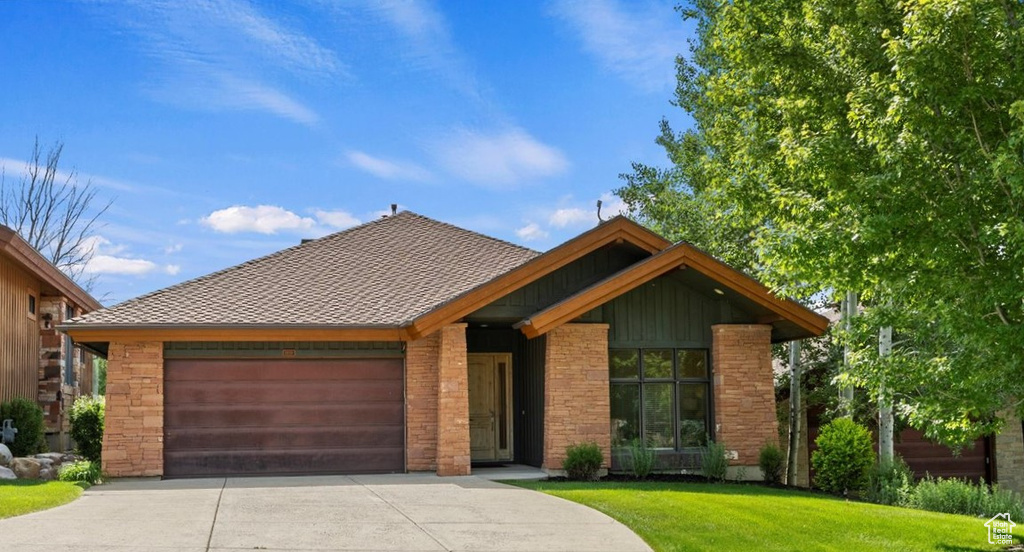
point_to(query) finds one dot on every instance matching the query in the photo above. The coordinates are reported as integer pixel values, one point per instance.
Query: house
(36, 361)
(408, 344)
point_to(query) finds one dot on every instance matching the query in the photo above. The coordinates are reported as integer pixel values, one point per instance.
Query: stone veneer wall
(744, 390)
(1010, 454)
(133, 440)
(421, 379)
(453, 457)
(576, 400)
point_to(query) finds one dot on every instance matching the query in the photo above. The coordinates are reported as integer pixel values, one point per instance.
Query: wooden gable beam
(618, 229)
(681, 255)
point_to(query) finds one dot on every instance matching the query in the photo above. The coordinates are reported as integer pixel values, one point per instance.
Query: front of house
(407, 344)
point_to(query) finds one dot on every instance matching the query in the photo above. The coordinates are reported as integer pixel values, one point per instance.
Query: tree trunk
(792, 463)
(885, 420)
(848, 311)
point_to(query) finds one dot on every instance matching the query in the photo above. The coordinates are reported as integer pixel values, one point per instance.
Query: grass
(22, 496)
(696, 516)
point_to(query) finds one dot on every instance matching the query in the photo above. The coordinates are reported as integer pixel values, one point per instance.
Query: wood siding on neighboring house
(19, 333)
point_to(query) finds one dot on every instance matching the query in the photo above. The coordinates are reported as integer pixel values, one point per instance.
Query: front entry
(490, 406)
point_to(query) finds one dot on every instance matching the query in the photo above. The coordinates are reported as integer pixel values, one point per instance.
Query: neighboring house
(37, 362)
(407, 344)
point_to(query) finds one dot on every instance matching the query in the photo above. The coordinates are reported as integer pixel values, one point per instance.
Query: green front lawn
(21, 496)
(694, 516)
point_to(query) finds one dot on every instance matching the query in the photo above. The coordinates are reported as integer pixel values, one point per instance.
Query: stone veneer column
(744, 390)
(50, 313)
(133, 439)
(576, 395)
(452, 402)
(1009, 445)
(421, 380)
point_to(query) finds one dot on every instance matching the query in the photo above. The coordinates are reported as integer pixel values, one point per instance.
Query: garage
(283, 416)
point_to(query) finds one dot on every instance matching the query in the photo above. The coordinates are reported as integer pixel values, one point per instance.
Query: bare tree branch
(52, 212)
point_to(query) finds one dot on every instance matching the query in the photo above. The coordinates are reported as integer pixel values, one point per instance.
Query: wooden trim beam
(227, 333)
(679, 255)
(616, 230)
(13, 246)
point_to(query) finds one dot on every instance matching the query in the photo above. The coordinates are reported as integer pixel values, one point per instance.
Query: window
(31, 305)
(660, 395)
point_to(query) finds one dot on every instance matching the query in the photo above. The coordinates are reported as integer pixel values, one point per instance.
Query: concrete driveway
(377, 512)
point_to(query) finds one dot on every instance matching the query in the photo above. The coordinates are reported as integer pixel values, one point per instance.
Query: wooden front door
(490, 406)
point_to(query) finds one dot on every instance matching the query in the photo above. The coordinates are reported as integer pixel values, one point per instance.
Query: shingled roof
(380, 274)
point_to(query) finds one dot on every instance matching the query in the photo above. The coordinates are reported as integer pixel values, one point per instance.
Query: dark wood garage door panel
(313, 461)
(292, 392)
(191, 416)
(232, 417)
(271, 370)
(293, 438)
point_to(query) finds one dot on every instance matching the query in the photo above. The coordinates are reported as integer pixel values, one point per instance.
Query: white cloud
(386, 168)
(172, 269)
(573, 216)
(500, 159)
(639, 41)
(336, 219)
(531, 232)
(225, 55)
(108, 264)
(428, 44)
(110, 258)
(612, 205)
(174, 248)
(264, 219)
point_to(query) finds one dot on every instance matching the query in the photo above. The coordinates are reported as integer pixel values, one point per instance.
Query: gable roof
(680, 255)
(24, 255)
(616, 230)
(381, 274)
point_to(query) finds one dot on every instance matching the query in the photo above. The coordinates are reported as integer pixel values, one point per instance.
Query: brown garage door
(246, 417)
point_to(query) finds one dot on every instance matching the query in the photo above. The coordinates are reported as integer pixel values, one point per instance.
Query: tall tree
(875, 146)
(51, 211)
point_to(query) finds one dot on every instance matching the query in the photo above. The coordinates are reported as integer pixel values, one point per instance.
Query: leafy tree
(874, 146)
(51, 211)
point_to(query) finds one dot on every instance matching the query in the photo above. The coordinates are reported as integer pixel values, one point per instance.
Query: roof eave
(12, 245)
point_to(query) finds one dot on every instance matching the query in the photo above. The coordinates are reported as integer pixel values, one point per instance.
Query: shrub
(87, 426)
(844, 457)
(890, 483)
(641, 459)
(83, 470)
(771, 461)
(28, 419)
(954, 496)
(714, 463)
(582, 461)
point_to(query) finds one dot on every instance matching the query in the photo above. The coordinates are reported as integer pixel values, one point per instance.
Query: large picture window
(660, 396)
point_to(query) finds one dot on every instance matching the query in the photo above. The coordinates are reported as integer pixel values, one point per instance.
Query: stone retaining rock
(5, 455)
(26, 468)
(6, 473)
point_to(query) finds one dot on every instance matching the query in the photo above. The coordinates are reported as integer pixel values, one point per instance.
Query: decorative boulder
(26, 468)
(54, 457)
(5, 455)
(6, 473)
(47, 474)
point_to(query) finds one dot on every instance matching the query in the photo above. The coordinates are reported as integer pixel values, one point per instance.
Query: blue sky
(226, 130)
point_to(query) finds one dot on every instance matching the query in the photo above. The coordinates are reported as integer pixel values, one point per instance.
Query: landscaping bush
(844, 457)
(87, 426)
(28, 419)
(641, 459)
(83, 470)
(714, 463)
(771, 461)
(890, 483)
(954, 496)
(582, 461)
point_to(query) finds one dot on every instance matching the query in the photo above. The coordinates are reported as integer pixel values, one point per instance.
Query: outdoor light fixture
(720, 292)
(46, 320)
